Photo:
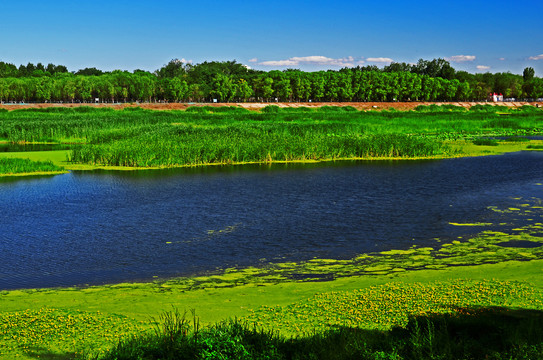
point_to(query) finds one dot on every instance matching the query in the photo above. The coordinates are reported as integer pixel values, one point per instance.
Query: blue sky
(476, 36)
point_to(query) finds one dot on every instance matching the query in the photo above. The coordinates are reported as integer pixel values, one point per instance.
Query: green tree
(263, 88)
(528, 74)
(7, 70)
(44, 87)
(243, 90)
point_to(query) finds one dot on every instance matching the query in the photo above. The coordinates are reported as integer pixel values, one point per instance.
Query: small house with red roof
(495, 97)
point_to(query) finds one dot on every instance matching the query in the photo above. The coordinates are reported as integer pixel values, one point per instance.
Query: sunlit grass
(15, 166)
(383, 307)
(62, 332)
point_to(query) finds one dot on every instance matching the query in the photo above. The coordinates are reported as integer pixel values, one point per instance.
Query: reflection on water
(9, 147)
(96, 227)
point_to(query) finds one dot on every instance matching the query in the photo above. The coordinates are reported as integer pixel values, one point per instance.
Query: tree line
(229, 81)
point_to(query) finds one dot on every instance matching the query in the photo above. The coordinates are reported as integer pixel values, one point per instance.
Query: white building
(495, 97)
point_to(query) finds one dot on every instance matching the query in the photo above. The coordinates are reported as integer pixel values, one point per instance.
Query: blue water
(103, 227)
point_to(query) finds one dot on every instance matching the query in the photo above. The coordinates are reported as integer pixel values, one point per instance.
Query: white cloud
(461, 58)
(501, 59)
(315, 60)
(482, 67)
(253, 60)
(538, 57)
(380, 60)
(182, 60)
(279, 63)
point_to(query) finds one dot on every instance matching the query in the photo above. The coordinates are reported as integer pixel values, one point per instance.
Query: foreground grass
(51, 324)
(470, 333)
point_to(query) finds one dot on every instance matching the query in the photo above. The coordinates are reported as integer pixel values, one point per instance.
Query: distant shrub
(440, 108)
(133, 109)
(271, 109)
(327, 108)
(501, 124)
(450, 107)
(301, 109)
(529, 109)
(485, 141)
(517, 139)
(89, 109)
(198, 109)
(226, 109)
(490, 108)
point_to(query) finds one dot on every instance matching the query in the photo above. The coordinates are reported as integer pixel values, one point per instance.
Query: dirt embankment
(257, 106)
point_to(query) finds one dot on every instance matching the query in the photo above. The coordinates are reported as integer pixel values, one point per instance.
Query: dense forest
(229, 81)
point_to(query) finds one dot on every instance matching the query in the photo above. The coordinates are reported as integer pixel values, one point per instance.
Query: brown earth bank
(258, 106)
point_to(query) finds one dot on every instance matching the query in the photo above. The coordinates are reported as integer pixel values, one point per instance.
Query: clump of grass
(490, 108)
(190, 145)
(197, 109)
(485, 142)
(340, 109)
(18, 166)
(215, 109)
(227, 109)
(529, 109)
(271, 109)
(535, 147)
(517, 139)
(300, 109)
(502, 124)
(440, 108)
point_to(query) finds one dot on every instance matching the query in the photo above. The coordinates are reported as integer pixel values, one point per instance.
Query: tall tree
(528, 74)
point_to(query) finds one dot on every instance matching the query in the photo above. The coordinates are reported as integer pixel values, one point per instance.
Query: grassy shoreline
(106, 314)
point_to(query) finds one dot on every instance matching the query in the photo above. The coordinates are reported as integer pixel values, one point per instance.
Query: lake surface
(103, 227)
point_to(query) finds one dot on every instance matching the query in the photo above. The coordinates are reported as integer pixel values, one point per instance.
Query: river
(104, 227)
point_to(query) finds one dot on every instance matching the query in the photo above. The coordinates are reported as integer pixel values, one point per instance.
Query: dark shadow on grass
(466, 333)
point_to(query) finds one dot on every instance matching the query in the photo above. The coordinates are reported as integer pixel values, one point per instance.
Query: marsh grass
(206, 134)
(486, 142)
(20, 166)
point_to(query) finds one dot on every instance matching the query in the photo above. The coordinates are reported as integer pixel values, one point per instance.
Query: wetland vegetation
(230, 135)
(15, 166)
